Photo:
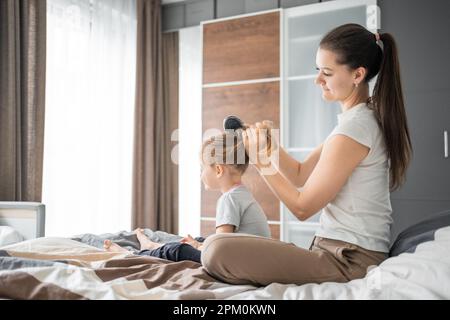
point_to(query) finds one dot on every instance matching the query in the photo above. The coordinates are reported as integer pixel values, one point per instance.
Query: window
(190, 131)
(88, 146)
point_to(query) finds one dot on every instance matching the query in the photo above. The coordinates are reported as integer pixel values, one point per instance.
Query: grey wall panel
(295, 3)
(228, 8)
(198, 11)
(408, 212)
(260, 5)
(173, 17)
(420, 29)
(428, 177)
(192, 12)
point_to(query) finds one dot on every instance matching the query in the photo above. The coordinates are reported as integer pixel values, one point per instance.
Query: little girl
(223, 162)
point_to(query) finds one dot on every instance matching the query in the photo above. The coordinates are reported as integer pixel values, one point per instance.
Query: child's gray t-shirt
(238, 208)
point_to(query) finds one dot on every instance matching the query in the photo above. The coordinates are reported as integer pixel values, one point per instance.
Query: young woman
(349, 176)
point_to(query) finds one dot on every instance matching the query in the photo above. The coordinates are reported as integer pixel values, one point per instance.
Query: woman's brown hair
(356, 47)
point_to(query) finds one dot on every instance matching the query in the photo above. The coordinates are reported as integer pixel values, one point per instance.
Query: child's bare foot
(146, 243)
(108, 245)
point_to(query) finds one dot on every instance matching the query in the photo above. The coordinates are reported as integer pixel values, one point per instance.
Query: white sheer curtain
(91, 61)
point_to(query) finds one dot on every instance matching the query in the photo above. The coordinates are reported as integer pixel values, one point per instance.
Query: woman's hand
(260, 143)
(273, 135)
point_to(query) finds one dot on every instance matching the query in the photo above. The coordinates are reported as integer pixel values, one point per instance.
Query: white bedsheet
(424, 274)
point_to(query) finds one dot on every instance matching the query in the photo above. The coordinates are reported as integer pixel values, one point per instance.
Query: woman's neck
(355, 98)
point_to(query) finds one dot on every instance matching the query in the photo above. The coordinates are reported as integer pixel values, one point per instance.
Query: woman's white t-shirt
(361, 212)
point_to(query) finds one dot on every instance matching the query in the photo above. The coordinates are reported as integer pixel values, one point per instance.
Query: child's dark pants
(175, 251)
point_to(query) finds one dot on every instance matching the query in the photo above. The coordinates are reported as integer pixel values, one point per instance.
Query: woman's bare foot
(146, 243)
(108, 245)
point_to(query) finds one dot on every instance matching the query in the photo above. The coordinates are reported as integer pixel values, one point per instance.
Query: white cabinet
(306, 119)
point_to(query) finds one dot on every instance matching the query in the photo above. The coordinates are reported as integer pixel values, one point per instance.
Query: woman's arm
(298, 172)
(339, 157)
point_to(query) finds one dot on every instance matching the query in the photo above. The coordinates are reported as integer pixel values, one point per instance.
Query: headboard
(28, 218)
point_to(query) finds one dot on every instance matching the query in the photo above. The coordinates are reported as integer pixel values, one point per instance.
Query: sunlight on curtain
(91, 59)
(190, 130)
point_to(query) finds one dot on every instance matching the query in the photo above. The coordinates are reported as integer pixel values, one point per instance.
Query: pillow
(410, 238)
(9, 236)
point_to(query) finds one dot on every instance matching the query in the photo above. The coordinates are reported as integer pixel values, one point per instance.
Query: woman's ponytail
(389, 108)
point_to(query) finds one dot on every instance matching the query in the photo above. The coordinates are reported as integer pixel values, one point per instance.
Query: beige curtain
(22, 98)
(169, 169)
(154, 178)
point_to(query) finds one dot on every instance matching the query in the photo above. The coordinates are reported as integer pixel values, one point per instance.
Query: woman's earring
(356, 85)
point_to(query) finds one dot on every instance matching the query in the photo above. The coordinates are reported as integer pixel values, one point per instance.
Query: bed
(21, 221)
(77, 268)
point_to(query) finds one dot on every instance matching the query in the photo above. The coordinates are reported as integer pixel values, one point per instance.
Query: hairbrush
(232, 123)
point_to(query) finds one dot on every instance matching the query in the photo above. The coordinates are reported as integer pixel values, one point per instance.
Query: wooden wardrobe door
(236, 50)
(242, 49)
(252, 103)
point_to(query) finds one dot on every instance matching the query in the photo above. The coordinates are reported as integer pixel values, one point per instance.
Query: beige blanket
(60, 268)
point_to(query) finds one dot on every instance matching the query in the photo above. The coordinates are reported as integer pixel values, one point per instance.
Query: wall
(421, 31)
(191, 12)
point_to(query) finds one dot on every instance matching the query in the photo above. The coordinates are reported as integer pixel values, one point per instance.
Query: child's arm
(225, 228)
(191, 241)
